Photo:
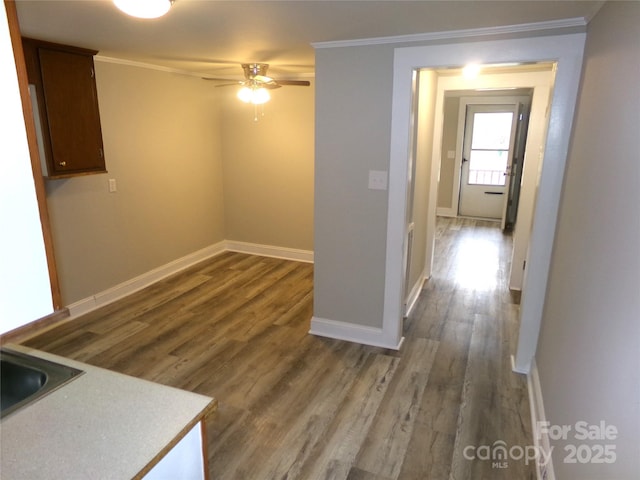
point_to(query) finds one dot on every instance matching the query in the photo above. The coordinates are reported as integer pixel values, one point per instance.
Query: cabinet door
(72, 112)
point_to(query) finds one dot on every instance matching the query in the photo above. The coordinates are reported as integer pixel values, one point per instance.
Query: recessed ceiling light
(144, 8)
(471, 71)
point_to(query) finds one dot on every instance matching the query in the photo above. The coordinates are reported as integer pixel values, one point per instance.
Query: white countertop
(102, 425)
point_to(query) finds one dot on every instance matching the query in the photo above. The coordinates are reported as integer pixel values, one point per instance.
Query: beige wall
(162, 145)
(589, 347)
(192, 170)
(268, 169)
(449, 140)
(424, 149)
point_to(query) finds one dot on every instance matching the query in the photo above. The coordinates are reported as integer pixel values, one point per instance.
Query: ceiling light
(471, 71)
(253, 94)
(144, 8)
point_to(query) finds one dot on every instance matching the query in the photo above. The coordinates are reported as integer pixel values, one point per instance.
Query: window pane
(487, 167)
(491, 131)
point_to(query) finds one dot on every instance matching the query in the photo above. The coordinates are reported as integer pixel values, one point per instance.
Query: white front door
(486, 160)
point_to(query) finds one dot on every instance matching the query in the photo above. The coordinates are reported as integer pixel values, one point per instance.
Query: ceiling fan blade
(235, 84)
(263, 79)
(215, 79)
(300, 83)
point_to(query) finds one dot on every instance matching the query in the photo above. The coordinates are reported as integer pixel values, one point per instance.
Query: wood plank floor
(294, 406)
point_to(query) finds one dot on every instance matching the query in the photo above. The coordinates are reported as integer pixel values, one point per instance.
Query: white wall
(588, 354)
(25, 293)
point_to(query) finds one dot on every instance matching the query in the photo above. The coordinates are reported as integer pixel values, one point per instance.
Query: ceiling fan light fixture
(254, 95)
(144, 8)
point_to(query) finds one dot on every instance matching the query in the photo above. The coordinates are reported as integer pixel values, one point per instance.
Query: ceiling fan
(255, 75)
(256, 85)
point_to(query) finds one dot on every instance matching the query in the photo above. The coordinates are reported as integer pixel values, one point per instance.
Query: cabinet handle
(62, 164)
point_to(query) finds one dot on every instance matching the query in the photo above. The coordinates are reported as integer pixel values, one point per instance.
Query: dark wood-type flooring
(295, 406)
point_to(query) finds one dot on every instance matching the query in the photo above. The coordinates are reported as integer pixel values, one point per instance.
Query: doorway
(489, 138)
(566, 50)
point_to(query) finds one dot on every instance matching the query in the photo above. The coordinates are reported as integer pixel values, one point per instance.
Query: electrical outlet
(378, 179)
(113, 187)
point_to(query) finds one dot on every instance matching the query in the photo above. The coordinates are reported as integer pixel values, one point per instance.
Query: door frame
(567, 52)
(462, 111)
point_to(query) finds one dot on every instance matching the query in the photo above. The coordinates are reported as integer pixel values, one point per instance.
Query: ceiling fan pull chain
(256, 115)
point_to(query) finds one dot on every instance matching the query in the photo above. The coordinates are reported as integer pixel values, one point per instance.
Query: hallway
(466, 306)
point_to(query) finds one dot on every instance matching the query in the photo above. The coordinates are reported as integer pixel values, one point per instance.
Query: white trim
(351, 332)
(538, 416)
(270, 251)
(446, 212)
(457, 34)
(412, 299)
(144, 280)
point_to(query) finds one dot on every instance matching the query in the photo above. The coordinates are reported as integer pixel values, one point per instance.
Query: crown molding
(457, 34)
(160, 68)
(149, 66)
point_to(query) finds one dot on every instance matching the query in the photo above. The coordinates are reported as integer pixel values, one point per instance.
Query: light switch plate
(113, 186)
(378, 179)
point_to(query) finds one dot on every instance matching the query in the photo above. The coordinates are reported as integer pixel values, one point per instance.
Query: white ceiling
(212, 37)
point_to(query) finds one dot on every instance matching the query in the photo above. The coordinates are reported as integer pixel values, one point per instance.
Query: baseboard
(446, 212)
(412, 299)
(350, 332)
(544, 471)
(141, 281)
(270, 251)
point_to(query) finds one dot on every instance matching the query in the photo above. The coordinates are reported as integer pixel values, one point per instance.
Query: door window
(489, 155)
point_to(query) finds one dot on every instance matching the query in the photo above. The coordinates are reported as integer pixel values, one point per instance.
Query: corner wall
(353, 122)
(268, 169)
(420, 261)
(589, 349)
(162, 146)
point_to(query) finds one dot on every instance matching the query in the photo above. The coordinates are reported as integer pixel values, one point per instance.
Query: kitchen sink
(26, 378)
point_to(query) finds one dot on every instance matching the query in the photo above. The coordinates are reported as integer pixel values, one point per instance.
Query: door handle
(494, 193)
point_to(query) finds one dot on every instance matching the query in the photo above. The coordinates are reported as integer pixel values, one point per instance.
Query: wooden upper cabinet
(63, 89)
